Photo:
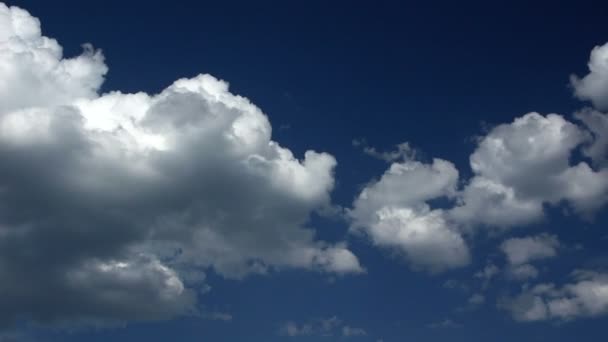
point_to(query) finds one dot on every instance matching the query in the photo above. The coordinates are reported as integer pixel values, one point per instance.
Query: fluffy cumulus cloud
(586, 296)
(594, 86)
(518, 169)
(393, 212)
(523, 165)
(110, 203)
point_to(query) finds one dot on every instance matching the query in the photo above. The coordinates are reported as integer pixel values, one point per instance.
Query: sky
(303, 171)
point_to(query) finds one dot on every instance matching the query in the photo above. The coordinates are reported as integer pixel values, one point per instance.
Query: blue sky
(160, 183)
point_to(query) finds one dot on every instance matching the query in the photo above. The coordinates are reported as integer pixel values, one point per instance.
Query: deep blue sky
(430, 73)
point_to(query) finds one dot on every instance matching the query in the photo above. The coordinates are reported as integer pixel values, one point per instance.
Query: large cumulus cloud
(109, 204)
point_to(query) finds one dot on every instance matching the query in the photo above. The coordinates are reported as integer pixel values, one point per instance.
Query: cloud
(403, 151)
(597, 123)
(218, 316)
(445, 324)
(350, 331)
(109, 203)
(522, 272)
(393, 212)
(522, 250)
(523, 165)
(586, 296)
(332, 326)
(476, 299)
(518, 169)
(594, 86)
(487, 274)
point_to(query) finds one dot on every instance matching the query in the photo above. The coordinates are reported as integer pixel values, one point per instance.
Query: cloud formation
(108, 201)
(586, 296)
(518, 169)
(522, 250)
(594, 85)
(393, 212)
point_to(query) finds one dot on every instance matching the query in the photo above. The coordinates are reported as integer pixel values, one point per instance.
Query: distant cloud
(445, 324)
(332, 326)
(218, 316)
(477, 299)
(350, 331)
(402, 152)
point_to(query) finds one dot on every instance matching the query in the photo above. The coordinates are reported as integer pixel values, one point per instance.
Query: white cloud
(117, 197)
(521, 166)
(394, 214)
(587, 296)
(485, 202)
(33, 70)
(522, 250)
(518, 167)
(594, 86)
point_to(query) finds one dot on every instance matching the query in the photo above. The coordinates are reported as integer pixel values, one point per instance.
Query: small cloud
(332, 326)
(477, 299)
(350, 331)
(445, 324)
(402, 151)
(454, 284)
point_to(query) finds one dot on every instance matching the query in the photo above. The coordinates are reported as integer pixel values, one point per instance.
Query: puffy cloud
(587, 296)
(523, 165)
(522, 250)
(109, 202)
(33, 70)
(394, 214)
(485, 202)
(594, 86)
(518, 168)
